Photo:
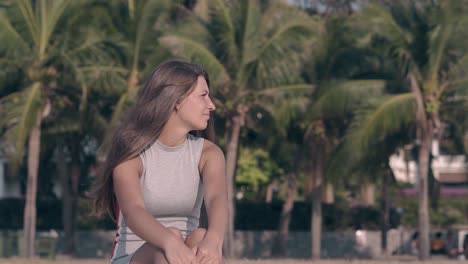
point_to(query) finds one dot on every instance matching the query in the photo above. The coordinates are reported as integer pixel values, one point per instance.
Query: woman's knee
(176, 232)
(195, 237)
(148, 254)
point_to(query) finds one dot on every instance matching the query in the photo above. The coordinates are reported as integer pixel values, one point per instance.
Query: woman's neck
(172, 135)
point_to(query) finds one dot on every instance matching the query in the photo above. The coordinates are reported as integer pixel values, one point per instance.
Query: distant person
(415, 243)
(157, 174)
(437, 244)
(451, 248)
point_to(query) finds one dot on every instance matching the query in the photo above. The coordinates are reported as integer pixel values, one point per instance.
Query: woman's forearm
(148, 229)
(217, 218)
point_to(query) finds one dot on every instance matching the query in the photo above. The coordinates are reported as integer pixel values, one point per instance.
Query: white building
(446, 169)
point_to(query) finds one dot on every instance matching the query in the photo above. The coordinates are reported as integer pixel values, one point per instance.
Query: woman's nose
(211, 105)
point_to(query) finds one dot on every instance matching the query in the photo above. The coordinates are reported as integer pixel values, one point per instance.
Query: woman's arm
(126, 178)
(215, 196)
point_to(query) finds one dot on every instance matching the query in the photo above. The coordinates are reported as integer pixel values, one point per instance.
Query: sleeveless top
(172, 191)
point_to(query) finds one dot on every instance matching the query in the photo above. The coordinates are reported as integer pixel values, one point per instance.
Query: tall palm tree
(341, 85)
(77, 134)
(429, 40)
(37, 38)
(253, 50)
(137, 26)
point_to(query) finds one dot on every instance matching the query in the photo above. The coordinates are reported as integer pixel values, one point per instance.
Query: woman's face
(194, 110)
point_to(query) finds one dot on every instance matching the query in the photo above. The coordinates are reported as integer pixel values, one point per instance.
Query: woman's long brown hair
(168, 85)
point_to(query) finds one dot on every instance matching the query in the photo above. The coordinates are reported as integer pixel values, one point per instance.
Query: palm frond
(380, 119)
(457, 76)
(222, 26)
(375, 20)
(27, 14)
(295, 29)
(250, 38)
(19, 112)
(281, 90)
(438, 42)
(341, 162)
(198, 53)
(280, 54)
(41, 20)
(147, 15)
(340, 98)
(285, 111)
(12, 41)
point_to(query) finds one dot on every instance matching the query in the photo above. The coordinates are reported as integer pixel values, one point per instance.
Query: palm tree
(423, 36)
(77, 134)
(137, 25)
(341, 85)
(253, 50)
(38, 38)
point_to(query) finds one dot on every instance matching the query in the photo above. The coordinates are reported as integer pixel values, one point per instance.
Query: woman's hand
(209, 252)
(176, 252)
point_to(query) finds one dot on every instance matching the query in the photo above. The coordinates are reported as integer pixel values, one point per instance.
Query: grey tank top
(172, 191)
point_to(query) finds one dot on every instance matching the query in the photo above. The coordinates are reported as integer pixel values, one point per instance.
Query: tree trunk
(316, 225)
(385, 213)
(72, 201)
(233, 128)
(328, 194)
(29, 224)
(423, 198)
(424, 138)
(62, 170)
(368, 194)
(279, 245)
(269, 192)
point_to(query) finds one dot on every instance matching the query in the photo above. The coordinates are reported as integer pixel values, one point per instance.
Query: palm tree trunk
(269, 192)
(233, 128)
(385, 214)
(62, 170)
(75, 182)
(328, 194)
(423, 195)
(368, 194)
(72, 201)
(424, 138)
(279, 245)
(29, 224)
(316, 225)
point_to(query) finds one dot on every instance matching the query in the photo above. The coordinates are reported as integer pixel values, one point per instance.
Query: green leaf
(197, 53)
(19, 112)
(380, 119)
(341, 98)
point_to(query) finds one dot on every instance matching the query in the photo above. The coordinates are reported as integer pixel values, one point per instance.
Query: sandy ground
(277, 261)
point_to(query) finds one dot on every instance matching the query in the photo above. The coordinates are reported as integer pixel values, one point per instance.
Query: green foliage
(450, 211)
(251, 53)
(255, 168)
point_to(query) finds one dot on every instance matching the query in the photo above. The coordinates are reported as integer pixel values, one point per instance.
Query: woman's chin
(201, 126)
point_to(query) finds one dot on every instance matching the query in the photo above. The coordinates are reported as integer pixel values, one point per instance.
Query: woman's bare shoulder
(133, 166)
(210, 148)
(212, 153)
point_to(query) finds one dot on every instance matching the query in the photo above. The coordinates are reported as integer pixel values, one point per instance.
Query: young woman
(157, 174)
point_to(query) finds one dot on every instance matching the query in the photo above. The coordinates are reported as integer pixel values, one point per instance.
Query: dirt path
(282, 261)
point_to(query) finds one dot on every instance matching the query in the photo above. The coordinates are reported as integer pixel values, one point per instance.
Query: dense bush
(448, 211)
(49, 214)
(249, 215)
